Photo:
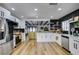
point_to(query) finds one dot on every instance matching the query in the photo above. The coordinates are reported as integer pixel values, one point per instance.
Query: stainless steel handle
(76, 46)
(56, 37)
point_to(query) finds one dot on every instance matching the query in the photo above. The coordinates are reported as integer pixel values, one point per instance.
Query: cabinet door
(72, 45)
(0, 50)
(77, 48)
(74, 48)
(58, 39)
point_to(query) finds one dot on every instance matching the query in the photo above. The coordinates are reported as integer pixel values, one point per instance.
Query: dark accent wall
(53, 24)
(70, 15)
(11, 25)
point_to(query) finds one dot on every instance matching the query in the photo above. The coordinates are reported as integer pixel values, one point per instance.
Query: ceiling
(45, 11)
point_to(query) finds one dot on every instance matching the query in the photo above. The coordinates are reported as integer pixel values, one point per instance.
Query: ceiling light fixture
(13, 9)
(51, 16)
(59, 9)
(22, 16)
(35, 9)
(36, 16)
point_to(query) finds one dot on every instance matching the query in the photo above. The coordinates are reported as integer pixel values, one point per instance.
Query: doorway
(32, 32)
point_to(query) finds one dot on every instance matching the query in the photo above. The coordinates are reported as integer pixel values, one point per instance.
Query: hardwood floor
(33, 48)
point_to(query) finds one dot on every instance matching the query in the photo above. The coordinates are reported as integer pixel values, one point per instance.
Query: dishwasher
(65, 42)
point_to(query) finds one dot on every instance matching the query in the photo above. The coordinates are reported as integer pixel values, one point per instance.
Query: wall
(71, 15)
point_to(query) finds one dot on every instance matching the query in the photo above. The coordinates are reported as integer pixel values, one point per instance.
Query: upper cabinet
(1, 13)
(7, 15)
(74, 26)
(76, 18)
(55, 25)
(21, 23)
(4, 12)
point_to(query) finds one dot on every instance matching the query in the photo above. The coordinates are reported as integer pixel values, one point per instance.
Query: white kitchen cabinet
(71, 45)
(4, 12)
(1, 14)
(44, 37)
(74, 45)
(57, 38)
(48, 37)
(12, 18)
(77, 48)
(0, 49)
(21, 23)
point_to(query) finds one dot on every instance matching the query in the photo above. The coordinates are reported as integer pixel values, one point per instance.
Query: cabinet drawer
(0, 50)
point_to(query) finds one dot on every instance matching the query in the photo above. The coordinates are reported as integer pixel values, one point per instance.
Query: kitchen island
(48, 37)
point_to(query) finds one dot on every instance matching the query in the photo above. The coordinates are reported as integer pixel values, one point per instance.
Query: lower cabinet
(44, 37)
(6, 48)
(58, 38)
(71, 45)
(74, 46)
(48, 37)
(0, 49)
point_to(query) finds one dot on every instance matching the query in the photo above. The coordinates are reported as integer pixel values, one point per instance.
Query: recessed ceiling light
(13, 9)
(35, 9)
(59, 9)
(51, 16)
(36, 16)
(22, 16)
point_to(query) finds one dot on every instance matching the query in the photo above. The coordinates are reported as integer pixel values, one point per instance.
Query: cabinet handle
(76, 46)
(56, 37)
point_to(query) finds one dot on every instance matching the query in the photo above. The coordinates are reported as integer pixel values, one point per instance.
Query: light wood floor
(33, 48)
